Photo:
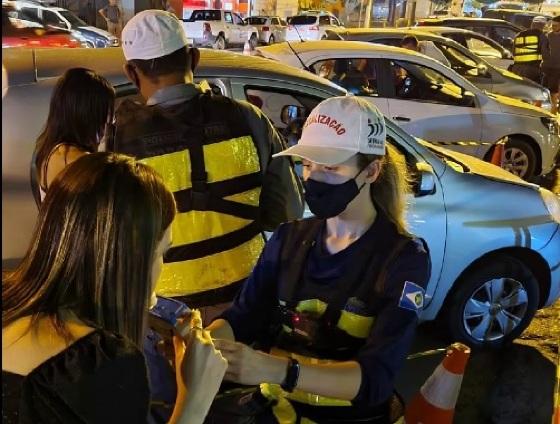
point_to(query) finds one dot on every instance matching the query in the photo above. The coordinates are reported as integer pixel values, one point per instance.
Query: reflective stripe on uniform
(526, 49)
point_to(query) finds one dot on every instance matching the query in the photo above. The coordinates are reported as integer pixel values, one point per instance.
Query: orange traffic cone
(435, 403)
(498, 154)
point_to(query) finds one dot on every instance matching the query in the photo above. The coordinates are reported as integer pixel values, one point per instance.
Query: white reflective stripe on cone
(442, 388)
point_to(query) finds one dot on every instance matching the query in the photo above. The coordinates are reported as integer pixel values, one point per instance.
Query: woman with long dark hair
(74, 311)
(80, 113)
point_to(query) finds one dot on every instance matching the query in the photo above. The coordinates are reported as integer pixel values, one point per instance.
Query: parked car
(502, 32)
(486, 290)
(57, 17)
(218, 29)
(18, 31)
(271, 29)
(311, 26)
(520, 18)
(479, 44)
(433, 102)
(461, 59)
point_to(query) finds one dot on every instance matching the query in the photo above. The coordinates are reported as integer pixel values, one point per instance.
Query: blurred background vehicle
(19, 31)
(59, 18)
(502, 32)
(271, 29)
(311, 25)
(432, 101)
(219, 29)
(520, 18)
(461, 59)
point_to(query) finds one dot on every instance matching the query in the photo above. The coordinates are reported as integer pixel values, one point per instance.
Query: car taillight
(265, 28)
(314, 28)
(207, 27)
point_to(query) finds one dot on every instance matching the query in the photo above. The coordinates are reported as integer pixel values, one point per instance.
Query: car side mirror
(291, 112)
(468, 99)
(426, 181)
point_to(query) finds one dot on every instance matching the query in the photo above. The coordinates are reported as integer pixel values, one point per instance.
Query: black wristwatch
(292, 376)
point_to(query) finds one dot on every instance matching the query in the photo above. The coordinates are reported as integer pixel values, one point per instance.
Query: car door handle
(401, 118)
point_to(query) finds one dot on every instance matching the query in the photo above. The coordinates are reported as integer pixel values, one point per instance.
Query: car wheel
(271, 39)
(493, 303)
(520, 158)
(253, 41)
(220, 43)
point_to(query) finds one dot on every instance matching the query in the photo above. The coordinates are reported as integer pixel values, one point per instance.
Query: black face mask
(328, 200)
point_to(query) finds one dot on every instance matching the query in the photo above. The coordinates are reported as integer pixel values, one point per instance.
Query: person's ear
(195, 57)
(372, 171)
(132, 74)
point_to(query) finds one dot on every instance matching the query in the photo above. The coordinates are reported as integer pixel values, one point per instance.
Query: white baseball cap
(151, 34)
(337, 129)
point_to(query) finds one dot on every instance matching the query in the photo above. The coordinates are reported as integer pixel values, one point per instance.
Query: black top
(101, 378)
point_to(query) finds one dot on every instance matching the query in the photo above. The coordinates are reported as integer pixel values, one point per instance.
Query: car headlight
(551, 124)
(552, 203)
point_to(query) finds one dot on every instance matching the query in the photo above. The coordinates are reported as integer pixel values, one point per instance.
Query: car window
(51, 18)
(237, 20)
(461, 63)
(275, 21)
(228, 18)
(283, 22)
(73, 19)
(32, 13)
(503, 35)
(355, 74)
(303, 20)
(334, 21)
(205, 15)
(395, 42)
(417, 82)
(324, 20)
(256, 21)
(481, 47)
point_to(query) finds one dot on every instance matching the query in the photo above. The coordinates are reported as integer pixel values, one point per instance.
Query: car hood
(97, 31)
(518, 107)
(479, 167)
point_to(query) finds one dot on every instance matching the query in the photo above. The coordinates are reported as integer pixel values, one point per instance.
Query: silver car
(463, 60)
(493, 265)
(271, 29)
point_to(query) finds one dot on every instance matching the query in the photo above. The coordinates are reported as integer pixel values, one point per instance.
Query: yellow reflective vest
(206, 156)
(527, 47)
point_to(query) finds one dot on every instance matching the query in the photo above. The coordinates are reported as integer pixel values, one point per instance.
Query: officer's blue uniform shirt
(396, 310)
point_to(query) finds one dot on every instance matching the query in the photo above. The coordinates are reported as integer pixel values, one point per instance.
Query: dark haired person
(410, 42)
(214, 153)
(334, 299)
(74, 311)
(80, 112)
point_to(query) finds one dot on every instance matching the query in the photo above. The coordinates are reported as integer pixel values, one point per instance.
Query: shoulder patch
(412, 297)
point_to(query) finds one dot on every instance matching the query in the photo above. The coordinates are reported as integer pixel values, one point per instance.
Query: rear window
(205, 15)
(303, 20)
(256, 21)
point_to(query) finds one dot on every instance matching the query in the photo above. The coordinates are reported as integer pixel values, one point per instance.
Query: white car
(218, 29)
(311, 26)
(57, 17)
(494, 239)
(433, 102)
(272, 29)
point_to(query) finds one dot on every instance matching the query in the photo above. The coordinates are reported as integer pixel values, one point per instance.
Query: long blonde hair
(389, 191)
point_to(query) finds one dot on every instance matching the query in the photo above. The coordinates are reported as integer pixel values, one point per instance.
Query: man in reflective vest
(551, 63)
(214, 153)
(528, 49)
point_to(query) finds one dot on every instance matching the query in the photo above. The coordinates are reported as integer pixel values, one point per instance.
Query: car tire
(271, 40)
(477, 311)
(520, 158)
(220, 43)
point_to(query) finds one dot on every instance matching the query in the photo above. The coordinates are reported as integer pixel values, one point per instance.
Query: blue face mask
(328, 200)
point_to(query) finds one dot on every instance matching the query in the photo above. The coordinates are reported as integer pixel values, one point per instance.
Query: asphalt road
(514, 385)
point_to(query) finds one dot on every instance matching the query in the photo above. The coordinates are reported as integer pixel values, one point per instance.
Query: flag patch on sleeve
(412, 297)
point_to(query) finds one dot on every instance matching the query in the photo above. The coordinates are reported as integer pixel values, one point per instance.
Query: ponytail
(389, 191)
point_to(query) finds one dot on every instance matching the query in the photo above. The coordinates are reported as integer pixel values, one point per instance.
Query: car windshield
(73, 19)
(303, 20)
(256, 21)
(461, 63)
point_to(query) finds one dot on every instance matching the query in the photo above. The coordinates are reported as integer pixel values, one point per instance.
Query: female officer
(333, 299)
